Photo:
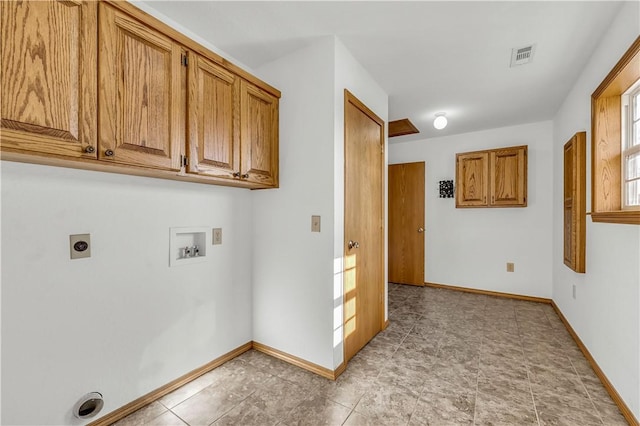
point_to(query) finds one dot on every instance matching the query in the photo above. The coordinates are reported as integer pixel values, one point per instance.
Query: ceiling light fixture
(440, 121)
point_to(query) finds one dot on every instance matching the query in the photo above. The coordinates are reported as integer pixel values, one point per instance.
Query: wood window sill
(629, 217)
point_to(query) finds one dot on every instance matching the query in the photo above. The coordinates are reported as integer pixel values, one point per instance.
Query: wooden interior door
(363, 225)
(49, 77)
(214, 145)
(406, 223)
(258, 135)
(142, 110)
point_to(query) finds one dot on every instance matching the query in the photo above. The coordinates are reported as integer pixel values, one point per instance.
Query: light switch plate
(80, 246)
(315, 223)
(217, 236)
(510, 267)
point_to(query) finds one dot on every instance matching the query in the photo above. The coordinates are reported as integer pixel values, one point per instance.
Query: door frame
(349, 98)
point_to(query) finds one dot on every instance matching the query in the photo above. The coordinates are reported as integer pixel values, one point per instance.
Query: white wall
(121, 322)
(292, 268)
(605, 310)
(297, 274)
(470, 247)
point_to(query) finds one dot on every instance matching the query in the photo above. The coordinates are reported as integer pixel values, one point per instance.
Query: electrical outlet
(217, 236)
(574, 291)
(80, 246)
(510, 266)
(315, 223)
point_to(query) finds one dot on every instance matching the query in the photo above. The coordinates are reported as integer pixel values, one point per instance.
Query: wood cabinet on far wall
(492, 178)
(49, 77)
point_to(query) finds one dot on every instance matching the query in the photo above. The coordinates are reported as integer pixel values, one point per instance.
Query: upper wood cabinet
(140, 100)
(104, 86)
(508, 177)
(49, 77)
(258, 135)
(214, 134)
(473, 177)
(492, 178)
(575, 205)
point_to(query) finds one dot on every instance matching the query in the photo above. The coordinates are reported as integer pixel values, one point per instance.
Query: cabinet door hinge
(184, 60)
(184, 161)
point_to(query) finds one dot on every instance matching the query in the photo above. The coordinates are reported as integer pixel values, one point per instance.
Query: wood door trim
(608, 386)
(349, 98)
(489, 293)
(299, 362)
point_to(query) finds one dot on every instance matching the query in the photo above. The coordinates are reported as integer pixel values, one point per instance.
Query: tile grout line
(526, 366)
(595, 407)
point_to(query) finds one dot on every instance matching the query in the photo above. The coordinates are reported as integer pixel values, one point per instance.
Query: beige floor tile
(447, 358)
(245, 414)
(438, 409)
(386, 404)
(316, 411)
(206, 406)
(143, 416)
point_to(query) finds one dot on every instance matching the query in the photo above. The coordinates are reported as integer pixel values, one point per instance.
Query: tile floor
(447, 358)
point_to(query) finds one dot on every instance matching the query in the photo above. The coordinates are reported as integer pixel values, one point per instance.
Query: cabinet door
(49, 77)
(508, 175)
(141, 99)
(214, 145)
(575, 210)
(258, 135)
(472, 177)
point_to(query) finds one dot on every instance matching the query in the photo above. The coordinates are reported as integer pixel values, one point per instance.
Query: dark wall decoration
(446, 189)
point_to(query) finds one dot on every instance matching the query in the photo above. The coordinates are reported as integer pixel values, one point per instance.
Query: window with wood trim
(609, 173)
(631, 148)
(575, 210)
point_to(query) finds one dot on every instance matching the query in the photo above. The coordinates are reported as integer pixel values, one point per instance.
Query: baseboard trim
(490, 293)
(154, 395)
(299, 362)
(615, 396)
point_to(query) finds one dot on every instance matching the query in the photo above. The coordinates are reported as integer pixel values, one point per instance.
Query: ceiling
(429, 56)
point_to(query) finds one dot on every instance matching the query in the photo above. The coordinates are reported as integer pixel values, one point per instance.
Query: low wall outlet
(510, 266)
(217, 236)
(315, 223)
(80, 246)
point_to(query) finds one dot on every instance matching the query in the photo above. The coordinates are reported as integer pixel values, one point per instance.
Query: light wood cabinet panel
(141, 98)
(104, 86)
(214, 144)
(575, 210)
(492, 178)
(472, 179)
(258, 135)
(48, 52)
(508, 177)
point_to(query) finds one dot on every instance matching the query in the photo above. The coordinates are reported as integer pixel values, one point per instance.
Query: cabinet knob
(90, 149)
(353, 244)
(245, 176)
(421, 230)
(236, 174)
(109, 153)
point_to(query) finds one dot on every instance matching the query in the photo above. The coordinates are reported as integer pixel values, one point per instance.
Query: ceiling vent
(522, 55)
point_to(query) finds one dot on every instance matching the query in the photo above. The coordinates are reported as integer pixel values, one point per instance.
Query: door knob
(353, 244)
(421, 230)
